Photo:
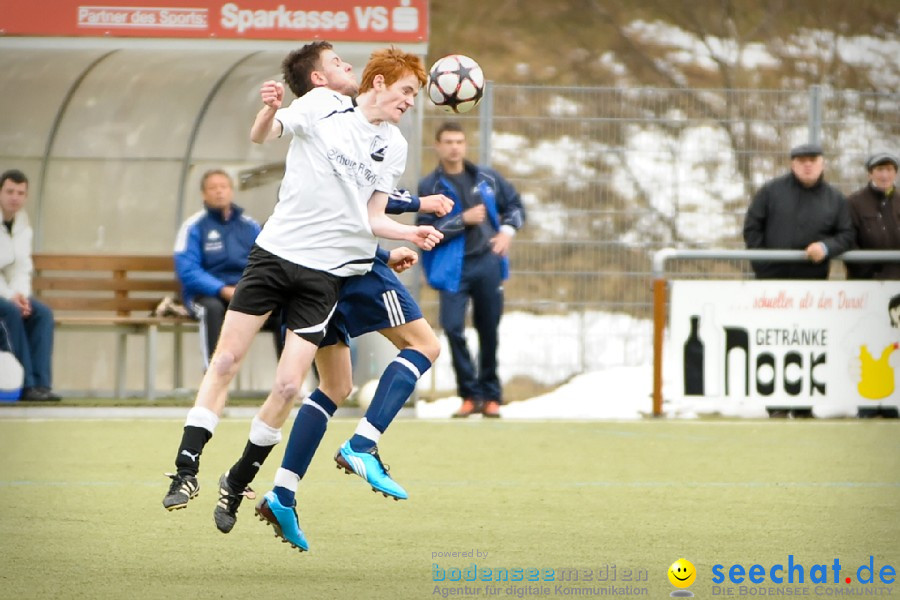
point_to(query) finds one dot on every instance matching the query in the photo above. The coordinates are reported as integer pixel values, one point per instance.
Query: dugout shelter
(115, 109)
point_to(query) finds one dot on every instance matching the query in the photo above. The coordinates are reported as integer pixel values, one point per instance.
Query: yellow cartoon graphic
(682, 574)
(877, 377)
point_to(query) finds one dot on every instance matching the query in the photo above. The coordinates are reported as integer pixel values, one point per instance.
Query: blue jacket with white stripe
(211, 252)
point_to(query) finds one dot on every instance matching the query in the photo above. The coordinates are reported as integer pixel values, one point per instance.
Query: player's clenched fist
(438, 204)
(272, 94)
(402, 258)
(426, 237)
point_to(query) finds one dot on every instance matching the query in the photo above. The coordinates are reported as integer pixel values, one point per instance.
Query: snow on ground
(604, 360)
(613, 393)
(551, 349)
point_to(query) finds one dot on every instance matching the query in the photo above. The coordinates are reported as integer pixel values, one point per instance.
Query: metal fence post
(660, 297)
(814, 124)
(486, 124)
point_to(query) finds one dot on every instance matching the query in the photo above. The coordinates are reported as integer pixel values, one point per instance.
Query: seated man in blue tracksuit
(471, 262)
(211, 251)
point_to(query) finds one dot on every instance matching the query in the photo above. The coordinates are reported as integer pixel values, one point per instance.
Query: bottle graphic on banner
(693, 361)
(714, 348)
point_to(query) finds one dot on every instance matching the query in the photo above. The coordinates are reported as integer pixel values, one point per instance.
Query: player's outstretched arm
(266, 127)
(425, 237)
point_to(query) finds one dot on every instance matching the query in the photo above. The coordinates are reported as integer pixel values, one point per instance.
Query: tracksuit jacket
(444, 264)
(211, 253)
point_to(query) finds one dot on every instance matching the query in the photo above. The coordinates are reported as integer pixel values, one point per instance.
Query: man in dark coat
(875, 211)
(799, 211)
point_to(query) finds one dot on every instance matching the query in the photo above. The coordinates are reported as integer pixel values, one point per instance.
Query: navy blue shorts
(370, 302)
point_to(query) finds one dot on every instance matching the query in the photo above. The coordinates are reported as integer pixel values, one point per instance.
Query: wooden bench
(114, 293)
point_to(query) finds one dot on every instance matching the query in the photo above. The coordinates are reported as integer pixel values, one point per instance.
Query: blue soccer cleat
(368, 465)
(283, 520)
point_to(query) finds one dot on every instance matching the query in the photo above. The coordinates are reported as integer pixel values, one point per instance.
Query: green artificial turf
(81, 513)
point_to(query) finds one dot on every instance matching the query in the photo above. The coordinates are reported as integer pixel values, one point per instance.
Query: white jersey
(337, 159)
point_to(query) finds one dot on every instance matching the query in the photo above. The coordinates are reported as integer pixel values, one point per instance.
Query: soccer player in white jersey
(343, 161)
(375, 301)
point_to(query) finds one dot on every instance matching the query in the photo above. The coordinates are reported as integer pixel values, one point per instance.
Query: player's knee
(337, 391)
(430, 348)
(286, 391)
(223, 363)
(342, 392)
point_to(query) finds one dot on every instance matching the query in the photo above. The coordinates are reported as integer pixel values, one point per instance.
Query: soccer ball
(366, 393)
(455, 83)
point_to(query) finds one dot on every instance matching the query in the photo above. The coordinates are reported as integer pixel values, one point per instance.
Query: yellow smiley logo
(682, 573)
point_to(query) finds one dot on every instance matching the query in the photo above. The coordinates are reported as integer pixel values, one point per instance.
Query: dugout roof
(114, 130)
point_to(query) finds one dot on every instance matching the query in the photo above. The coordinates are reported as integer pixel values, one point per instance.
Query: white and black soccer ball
(455, 83)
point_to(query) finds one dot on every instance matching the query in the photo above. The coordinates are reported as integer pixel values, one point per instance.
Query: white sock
(262, 434)
(202, 417)
(367, 430)
(287, 479)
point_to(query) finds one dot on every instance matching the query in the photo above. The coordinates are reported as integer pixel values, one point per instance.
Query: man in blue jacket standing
(471, 262)
(211, 251)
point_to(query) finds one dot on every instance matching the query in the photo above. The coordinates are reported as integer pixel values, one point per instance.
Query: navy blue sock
(306, 434)
(285, 496)
(394, 388)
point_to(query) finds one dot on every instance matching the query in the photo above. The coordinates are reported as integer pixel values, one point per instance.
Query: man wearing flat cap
(875, 211)
(799, 211)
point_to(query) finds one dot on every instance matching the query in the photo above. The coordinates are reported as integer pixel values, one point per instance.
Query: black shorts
(307, 296)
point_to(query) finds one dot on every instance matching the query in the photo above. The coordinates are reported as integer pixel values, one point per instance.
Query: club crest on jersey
(378, 148)
(213, 242)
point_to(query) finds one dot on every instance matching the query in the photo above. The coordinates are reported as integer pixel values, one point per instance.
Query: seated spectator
(799, 211)
(211, 251)
(28, 323)
(875, 211)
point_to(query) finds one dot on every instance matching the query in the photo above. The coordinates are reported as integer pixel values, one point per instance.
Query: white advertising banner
(737, 347)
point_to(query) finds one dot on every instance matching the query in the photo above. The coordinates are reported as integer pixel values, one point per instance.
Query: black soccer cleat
(182, 489)
(225, 513)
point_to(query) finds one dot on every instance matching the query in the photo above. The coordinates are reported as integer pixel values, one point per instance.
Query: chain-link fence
(610, 175)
